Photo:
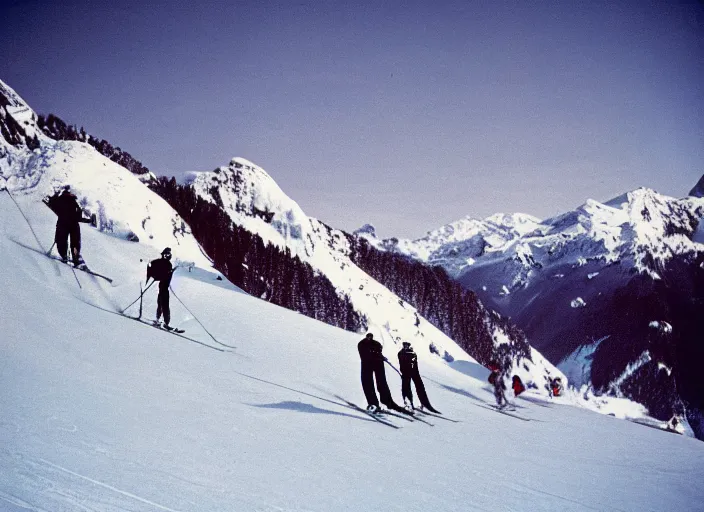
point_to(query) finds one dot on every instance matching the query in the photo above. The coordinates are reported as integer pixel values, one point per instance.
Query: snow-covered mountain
(592, 289)
(456, 246)
(34, 165)
(252, 200)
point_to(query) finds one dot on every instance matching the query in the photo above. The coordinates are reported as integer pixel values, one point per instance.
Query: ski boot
(78, 262)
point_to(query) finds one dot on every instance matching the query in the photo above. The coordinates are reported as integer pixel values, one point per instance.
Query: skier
(408, 364)
(517, 386)
(372, 358)
(160, 270)
(497, 380)
(70, 214)
(555, 386)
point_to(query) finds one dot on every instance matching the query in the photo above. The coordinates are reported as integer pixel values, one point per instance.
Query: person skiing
(497, 380)
(555, 386)
(517, 385)
(69, 216)
(161, 270)
(408, 364)
(372, 359)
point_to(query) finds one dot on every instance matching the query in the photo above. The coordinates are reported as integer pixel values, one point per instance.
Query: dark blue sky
(407, 115)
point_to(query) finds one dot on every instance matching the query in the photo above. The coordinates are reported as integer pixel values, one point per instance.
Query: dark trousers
(406, 390)
(369, 371)
(500, 391)
(162, 304)
(64, 230)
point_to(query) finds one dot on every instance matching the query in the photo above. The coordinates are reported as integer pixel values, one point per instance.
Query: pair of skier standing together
(69, 216)
(372, 358)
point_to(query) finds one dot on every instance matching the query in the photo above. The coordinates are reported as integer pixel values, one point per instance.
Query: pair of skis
(505, 410)
(379, 417)
(374, 416)
(82, 267)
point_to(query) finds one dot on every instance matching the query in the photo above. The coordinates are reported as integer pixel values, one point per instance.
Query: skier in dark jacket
(161, 270)
(70, 215)
(408, 364)
(496, 378)
(370, 353)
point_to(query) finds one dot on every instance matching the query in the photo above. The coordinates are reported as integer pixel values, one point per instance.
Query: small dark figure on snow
(556, 386)
(161, 270)
(517, 386)
(496, 378)
(370, 353)
(408, 364)
(65, 205)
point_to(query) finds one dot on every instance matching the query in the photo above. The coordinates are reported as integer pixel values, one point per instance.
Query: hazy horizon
(405, 116)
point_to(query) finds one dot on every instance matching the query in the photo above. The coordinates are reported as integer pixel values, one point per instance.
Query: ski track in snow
(109, 487)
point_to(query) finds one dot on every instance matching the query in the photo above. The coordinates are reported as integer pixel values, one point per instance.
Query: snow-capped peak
(18, 128)
(641, 226)
(698, 190)
(458, 244)
(367, 230)
(254, 200)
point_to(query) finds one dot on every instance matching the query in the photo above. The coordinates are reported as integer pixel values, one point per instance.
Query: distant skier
(161, 270)
(496, 378)
(372, 358)
(408, 364)
(555, 386)
(70, 215)
(517, 385)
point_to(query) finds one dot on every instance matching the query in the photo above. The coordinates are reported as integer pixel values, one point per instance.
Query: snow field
(101, 413)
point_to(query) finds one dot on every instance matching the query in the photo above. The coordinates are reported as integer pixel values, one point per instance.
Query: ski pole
(199, 322)
(25, 218)
(138, 298)
(141, 294)
(392, 366)
(50, 248)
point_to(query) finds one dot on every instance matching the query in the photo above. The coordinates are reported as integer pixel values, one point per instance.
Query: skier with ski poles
(70, 215)
(161, 270)
(372, 359)
(408, 363)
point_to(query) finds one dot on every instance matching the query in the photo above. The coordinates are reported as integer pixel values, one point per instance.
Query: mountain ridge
(585, 267)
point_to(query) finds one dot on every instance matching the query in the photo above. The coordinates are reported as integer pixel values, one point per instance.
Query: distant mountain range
(612, 293)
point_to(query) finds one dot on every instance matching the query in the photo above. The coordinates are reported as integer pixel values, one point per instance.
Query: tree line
(57, 129)
(443, 302)
(261, 269)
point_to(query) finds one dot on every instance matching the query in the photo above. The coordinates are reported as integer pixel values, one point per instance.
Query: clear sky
(407, 115)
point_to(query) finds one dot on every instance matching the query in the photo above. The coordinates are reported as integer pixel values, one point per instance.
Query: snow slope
(101, 413)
